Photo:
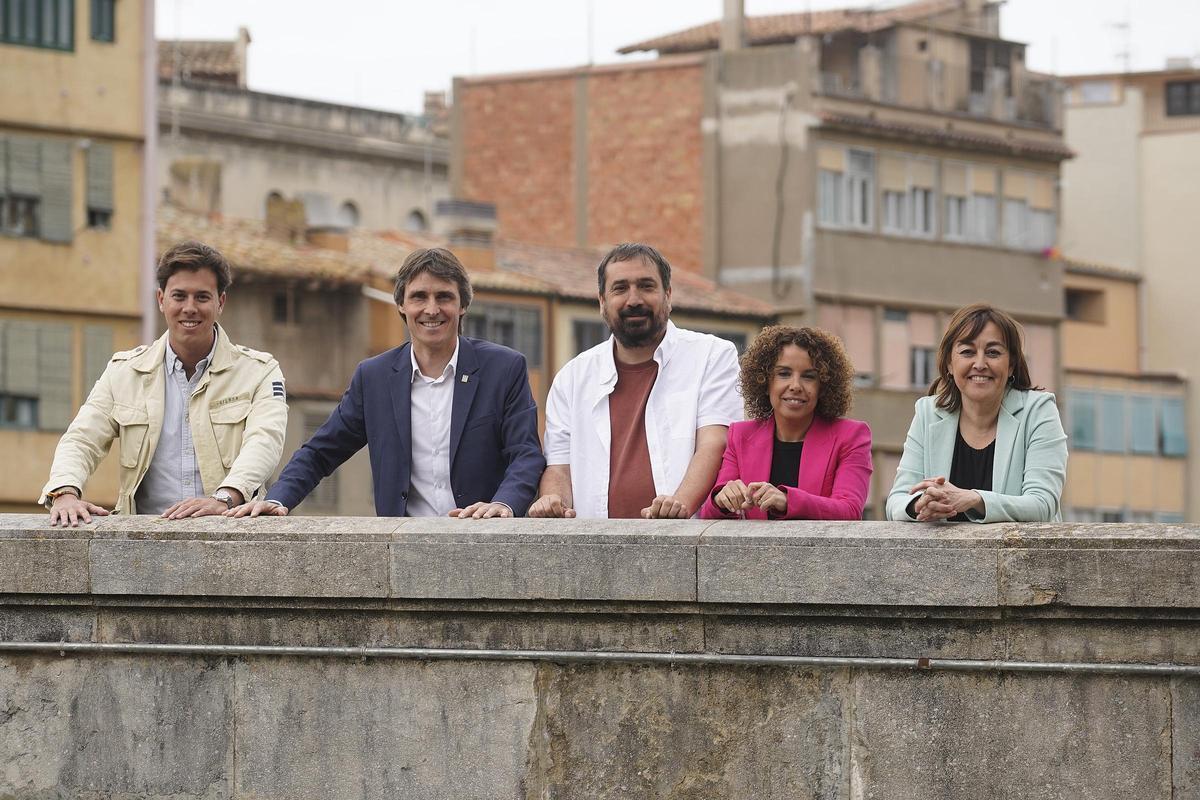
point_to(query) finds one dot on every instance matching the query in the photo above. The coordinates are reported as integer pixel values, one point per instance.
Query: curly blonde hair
(825, 350)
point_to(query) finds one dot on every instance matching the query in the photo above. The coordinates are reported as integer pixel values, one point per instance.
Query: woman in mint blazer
(984, 446)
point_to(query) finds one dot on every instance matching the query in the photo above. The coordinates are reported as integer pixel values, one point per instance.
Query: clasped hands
(943, 500)
(736, 496)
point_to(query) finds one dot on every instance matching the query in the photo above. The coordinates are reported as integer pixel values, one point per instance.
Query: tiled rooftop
(782, 28)
(202, 60)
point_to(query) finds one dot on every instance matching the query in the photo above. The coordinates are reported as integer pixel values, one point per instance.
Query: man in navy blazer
(450, 422)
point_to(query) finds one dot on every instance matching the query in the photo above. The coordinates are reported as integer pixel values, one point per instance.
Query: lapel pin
(465, 377)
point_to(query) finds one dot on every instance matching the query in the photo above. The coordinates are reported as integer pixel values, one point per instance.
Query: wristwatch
(224, 496)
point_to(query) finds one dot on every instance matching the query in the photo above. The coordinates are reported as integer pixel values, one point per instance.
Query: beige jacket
(238, 414)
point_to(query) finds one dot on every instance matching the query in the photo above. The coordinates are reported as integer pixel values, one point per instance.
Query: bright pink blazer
(835, 468)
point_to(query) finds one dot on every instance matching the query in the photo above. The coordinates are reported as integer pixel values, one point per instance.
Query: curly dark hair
(827, 354)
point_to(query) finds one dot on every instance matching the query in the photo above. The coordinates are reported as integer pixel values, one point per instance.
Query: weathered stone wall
(1019, 623)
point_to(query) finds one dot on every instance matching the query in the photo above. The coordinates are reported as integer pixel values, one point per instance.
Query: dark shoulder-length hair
(964, 326)
(824, 350)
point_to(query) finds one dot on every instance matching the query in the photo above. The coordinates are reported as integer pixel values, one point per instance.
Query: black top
(971, 468)
(785, 463)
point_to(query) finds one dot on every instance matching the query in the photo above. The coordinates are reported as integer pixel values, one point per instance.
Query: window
(38, 23)
(415, 222)
(1174, 435)
(923, 366)
(1082, 406)
(923, 211)
(983, 218)
(1143, 427)
(35, 375)
(518, 327)
(588, 333)
(956, 217)
(1042, 224)
(285, 307)
(103, 28)
(894, 212)
(829, 193)
(347, 215)
(99, 186)
(1183, 98)
(1112, 516)
(860, 181)
(1111, 423)
(18, 412)
(35, 188)
(1084, 305)
(1016, 224)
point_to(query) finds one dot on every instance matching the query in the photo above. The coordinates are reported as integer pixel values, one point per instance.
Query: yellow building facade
(72, 144)
(1126, 426)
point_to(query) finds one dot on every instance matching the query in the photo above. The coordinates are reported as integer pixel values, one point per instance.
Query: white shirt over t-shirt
(697, 385)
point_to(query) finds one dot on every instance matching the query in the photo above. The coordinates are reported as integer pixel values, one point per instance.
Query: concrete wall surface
(593, 659)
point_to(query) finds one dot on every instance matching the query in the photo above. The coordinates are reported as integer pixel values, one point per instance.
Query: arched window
(416, 222)
(272, 197)
(347, 216)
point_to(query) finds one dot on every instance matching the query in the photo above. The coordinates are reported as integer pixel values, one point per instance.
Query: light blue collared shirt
(174, 472)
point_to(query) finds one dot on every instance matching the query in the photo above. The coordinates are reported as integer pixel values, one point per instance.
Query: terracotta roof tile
(572, 273)
(781, 28)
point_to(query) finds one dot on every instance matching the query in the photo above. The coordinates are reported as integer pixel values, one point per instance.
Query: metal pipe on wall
(602, 657)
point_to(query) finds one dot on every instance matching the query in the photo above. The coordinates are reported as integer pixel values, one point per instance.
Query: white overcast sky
(386, 53)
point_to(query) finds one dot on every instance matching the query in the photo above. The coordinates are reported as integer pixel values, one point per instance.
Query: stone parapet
(580, 658)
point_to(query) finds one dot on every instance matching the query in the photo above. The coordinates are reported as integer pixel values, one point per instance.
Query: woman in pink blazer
(796, 457)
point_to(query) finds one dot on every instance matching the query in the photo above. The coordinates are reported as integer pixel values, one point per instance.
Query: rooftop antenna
(1124, 31)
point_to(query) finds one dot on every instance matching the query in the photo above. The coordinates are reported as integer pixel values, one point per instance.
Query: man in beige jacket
(199, 420)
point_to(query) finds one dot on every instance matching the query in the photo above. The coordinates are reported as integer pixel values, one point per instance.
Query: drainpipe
(149, 171)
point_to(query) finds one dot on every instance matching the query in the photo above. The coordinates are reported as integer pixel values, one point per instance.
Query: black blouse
(785, 463)
(971, 468)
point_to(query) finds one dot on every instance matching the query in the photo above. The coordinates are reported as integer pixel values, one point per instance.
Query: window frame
(1191, 98)
(103, 11)
(16, 10)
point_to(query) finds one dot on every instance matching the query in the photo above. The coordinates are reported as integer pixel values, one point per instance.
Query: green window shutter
(97, 351)
(54, 377)
(21, 358)
(24, 167)
(56, 191)
(3, 164)
(100, 177)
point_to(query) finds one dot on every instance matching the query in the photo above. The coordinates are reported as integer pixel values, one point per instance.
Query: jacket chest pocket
(229, 424)
(134, 424)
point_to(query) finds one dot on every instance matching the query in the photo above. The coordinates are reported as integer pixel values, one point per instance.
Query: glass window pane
(1143, 432)
(1112, 423)
(1174, 435)
(66, 20)
(1083, 420)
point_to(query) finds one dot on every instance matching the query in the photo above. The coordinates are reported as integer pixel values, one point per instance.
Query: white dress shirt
(174, 472)
(430, 493)
(696, 386)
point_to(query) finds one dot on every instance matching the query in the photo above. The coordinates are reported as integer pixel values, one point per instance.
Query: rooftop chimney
(733, 26)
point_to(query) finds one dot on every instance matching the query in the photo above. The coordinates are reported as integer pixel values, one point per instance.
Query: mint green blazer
(1030, 463)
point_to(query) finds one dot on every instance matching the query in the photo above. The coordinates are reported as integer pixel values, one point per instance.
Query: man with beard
(635, 426)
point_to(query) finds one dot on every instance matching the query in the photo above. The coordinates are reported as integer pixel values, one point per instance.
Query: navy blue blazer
(495, 453)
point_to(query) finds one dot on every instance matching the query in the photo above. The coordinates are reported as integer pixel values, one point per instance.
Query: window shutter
(56, 191)
(54, 377)
(21, 358)
(97, 350)
(100, 177)
(24, 167)
(3, 165)
(3, 354)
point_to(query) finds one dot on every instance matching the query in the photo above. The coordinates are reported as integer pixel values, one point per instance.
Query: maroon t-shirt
(630, 478)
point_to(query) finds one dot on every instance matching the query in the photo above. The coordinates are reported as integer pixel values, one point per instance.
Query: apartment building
(1130, 198)
(1126, 425)
(868, 171)
(72, 151)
